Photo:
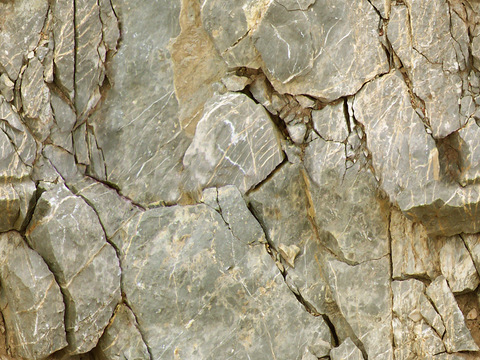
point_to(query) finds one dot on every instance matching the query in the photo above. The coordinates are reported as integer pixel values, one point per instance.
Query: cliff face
(247, 179)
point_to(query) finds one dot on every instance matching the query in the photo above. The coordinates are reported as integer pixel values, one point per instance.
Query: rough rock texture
(248, 179)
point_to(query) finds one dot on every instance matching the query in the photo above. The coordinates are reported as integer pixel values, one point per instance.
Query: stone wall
(243, 179)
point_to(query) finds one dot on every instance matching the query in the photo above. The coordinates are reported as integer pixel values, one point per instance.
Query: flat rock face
(235, 142)
(310, 51)
(366, 314)
(210, 264)
(150, 174)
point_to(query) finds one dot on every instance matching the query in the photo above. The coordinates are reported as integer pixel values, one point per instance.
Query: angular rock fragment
(330, 122)
(89, 57)
(355, 215)
(417, 327)
(346, 351)
(239, 219)
(66, 232)
(36, 100)
(469, 152)
(433, 56)
(285, 215)
(229, 28)
(112, 210)
(363, 295)
(64, 53)
(414, 253)
(31, 301)
(472, 241)
(408, 161)
(457, 335)
(229, 292)
(122, 339)
(457, 266)
(235, 143)
(310, 52)
(22, 23)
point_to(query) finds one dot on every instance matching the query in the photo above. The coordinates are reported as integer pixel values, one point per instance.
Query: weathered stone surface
(418, 329)
(363, 295)
(235, 143)
(309, 52)
(150, 174)
(413, 169)
(355, 215)
(330, 122)
(112, 210)
(76, 254)
(237, 216)
(284, 217)
(122, 339)
(90, 55)
(433, 55)
(413, 252)
(229, 27)
(36, 100)
(457, 335)
(346, 351)
(31, 301)
(22, 23)
(457, 266)
(261, 320)
(64, 36)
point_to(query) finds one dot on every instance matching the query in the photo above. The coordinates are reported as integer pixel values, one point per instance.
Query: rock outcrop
(253, 179)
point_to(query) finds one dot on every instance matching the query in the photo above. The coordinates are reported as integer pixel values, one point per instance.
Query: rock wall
(247, 179)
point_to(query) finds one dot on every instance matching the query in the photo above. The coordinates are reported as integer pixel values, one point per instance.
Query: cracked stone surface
(253, 179)
(31, 301)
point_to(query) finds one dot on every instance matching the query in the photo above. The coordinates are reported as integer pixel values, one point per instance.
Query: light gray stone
(457, 335)
(239, 219)
(355, 215)
(431, 55)
(364, 297)
(22, 23)
(36, 100)
(64, 53)
(66, 232)
(238, 300)
(346, 351)
(235, 143)
(457, 266)
(414, 253)
(32, 304)
(417, 327)
(112, 209)
(310, 52)
(412, 168)
(146, 127)
(330, 122)
(122, 339)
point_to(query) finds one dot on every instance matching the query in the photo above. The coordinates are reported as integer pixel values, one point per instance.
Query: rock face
(248, 179)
